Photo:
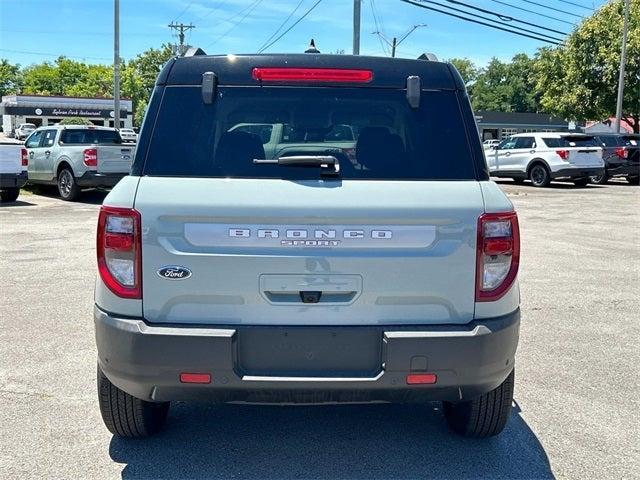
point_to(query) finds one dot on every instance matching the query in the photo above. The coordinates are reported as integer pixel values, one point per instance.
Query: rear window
(570, 141)
(372, 132)
(79, 136)
(611, 141)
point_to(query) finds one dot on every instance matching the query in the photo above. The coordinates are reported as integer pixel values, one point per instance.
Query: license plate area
(309, 352)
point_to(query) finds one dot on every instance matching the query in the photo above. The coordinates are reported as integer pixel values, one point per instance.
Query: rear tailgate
(584, 150)
(114, 158)
(405, 256)
(10, 158)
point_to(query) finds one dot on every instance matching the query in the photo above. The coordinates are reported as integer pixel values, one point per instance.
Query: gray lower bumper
(96, 179)
(146, 361)
(576, 172)
(13, 180)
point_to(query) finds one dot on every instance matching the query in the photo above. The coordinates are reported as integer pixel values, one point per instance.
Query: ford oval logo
(174, 272)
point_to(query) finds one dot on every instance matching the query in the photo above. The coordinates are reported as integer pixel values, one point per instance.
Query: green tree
(75, 121)
(468, 70)
(506, 87)
(579, 80)
(10, 78)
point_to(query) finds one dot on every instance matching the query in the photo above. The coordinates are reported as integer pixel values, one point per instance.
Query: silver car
(77, 156)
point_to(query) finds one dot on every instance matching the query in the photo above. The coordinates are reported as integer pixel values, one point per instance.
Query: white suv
(542, 157)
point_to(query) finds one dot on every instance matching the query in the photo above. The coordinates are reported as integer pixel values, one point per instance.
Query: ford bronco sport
(319, 276)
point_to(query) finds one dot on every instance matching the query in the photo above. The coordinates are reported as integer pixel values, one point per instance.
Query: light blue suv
(384, 273)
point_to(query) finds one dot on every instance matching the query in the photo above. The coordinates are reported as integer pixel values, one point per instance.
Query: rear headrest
(378, 150)
(236, 151)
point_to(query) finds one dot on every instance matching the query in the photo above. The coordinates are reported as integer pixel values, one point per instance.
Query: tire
(67, 186)
(484, 416)
(10, 194)
(600, 179)
(128, 416)
(539, 175)
(633, 180)
(581, 182)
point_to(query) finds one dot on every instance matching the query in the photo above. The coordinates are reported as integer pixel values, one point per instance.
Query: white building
(44, 110)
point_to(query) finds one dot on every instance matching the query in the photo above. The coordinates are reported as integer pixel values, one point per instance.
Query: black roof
(236, 69)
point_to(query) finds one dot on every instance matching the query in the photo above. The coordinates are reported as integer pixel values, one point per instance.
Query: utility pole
(356, 26)
(395, 42)
(623, 60)
(116, 64)
(181, 28)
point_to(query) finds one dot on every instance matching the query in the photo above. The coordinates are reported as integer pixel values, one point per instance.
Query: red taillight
(421, 378)
(563, 154)
(312, 75)
(91, 157)
(119, 249)
(498, 255)
(622, 152)
(24, 155)
(195, 378)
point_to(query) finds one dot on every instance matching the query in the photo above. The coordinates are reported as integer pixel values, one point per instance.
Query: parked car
(280, 139)
(128, 135)
(542, 157)
(489, 144)
(77, 156)
(24, 130)
(228, 276)
(13, 170)
(621, 154)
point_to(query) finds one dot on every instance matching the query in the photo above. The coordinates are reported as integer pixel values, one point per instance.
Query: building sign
(61, 112)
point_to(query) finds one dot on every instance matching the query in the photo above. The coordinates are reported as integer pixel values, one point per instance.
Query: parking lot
(576, 410)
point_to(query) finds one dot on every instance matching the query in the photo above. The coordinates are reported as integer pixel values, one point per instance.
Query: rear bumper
(576, 172)
(13, 180)
(614, 169)
(146, 361)
(96, 179)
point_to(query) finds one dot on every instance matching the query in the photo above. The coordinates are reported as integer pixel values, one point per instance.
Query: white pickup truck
(77, 156)
(13, 170)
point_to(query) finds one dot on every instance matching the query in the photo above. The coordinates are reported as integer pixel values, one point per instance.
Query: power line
(532, 11)
(551, 8)
(379, 31)
(282, 24)
(292, 26)
(184, 10)
(490, 20)
(56, 55)
(505, 18)
(576, 5)
(515, 32)
(248, 9)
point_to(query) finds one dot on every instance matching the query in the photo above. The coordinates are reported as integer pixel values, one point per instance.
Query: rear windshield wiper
(329, 165)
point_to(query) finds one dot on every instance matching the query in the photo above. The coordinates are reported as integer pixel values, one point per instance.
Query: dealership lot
(576, 389)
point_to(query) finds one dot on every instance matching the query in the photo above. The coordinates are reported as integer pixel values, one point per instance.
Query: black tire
(633, 180)
(67, 186)
(581, 182)
(600, 179)
(9, 194)
(539, 175)
(127, 416)
(518, 180)
(484, 416)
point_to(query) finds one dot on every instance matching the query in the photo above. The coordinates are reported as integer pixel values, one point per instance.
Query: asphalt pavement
(577, 389)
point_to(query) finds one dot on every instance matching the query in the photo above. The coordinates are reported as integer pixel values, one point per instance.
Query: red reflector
(312, 75)
(421, 378)
(25, 157)
(498, 246)
(195, 378)
(563, 154)
(118, 241)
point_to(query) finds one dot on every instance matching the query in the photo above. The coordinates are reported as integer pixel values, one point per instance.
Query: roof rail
(194, 51)
(431, 57)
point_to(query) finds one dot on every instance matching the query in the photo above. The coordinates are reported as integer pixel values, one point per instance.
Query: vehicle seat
(378, 150)
(236, 151)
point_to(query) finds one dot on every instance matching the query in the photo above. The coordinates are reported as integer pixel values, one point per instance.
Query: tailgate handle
(309, 297)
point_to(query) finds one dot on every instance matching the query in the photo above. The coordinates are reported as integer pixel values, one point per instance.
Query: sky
(32, 31)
